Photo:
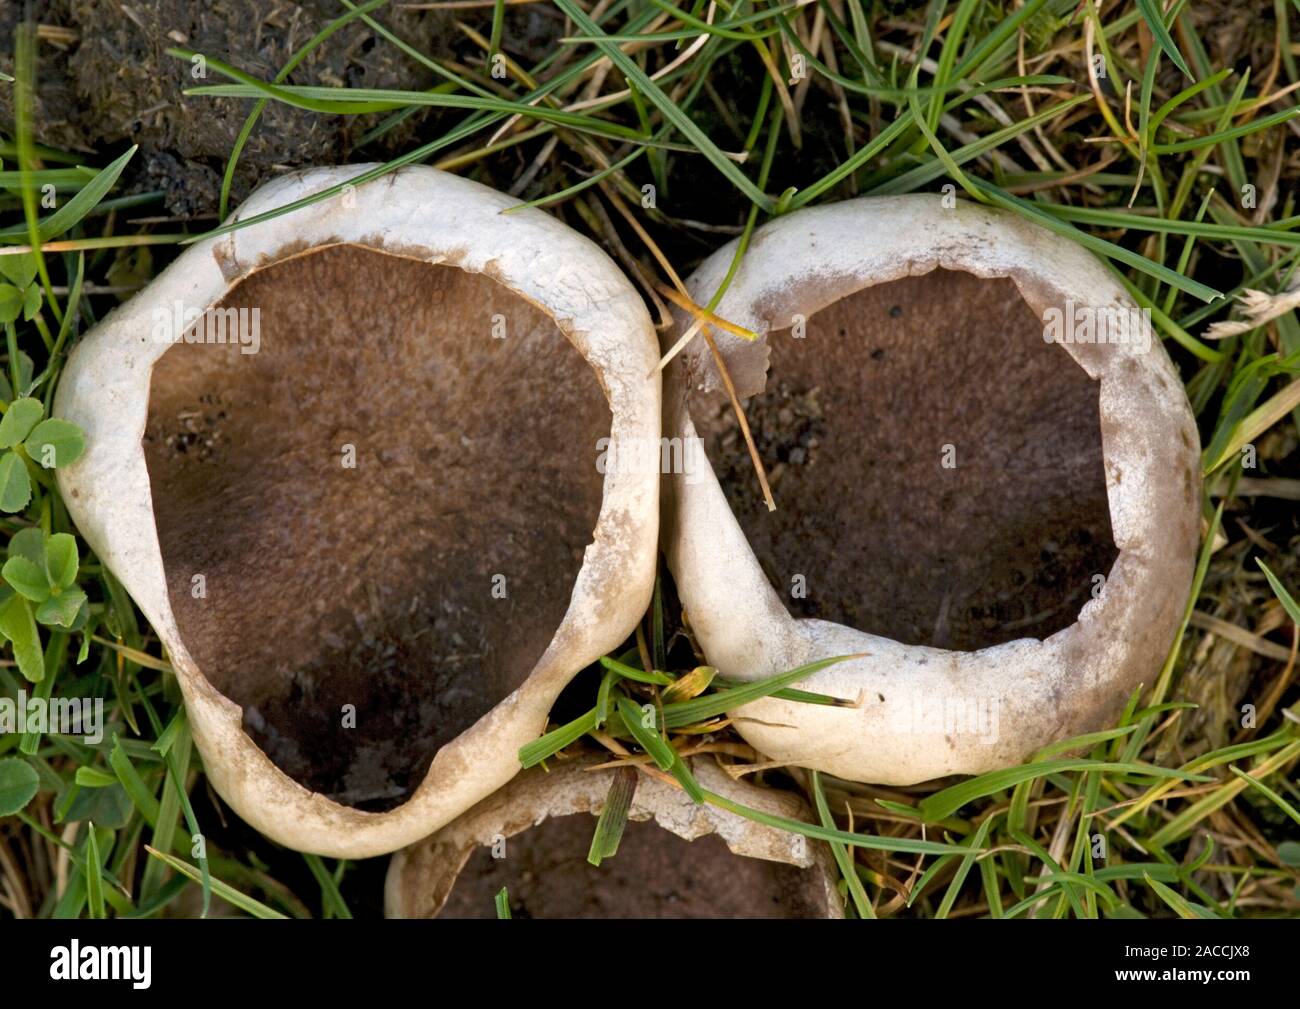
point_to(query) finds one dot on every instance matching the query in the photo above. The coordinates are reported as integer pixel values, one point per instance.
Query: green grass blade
(227, 893)
(1284, 597)
(945, 803)
(94, 874)
(671, 111)
(873, 843)
(711, 705)
(1097, 245)
(963, 869)
(843, 857)
(1184, 907)
(71, 213)
(331, 898)
(1259, 786)
(1154, 17)
(556, 740)
(613, 816)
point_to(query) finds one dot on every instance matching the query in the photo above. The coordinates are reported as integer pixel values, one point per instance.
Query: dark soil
(654, 875)
(373, 586)
(105, 80)
(852, 430)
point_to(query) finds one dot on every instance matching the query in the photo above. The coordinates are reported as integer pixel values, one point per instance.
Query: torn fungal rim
(928, 712)
(421, 877)
(424, 214)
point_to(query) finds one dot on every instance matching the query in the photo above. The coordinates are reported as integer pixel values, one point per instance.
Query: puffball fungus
(675, 859)
(987, 479)
(345, 461)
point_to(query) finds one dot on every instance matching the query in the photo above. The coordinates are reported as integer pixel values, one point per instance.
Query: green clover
(26, 439)
(19, 294)
(41, 572)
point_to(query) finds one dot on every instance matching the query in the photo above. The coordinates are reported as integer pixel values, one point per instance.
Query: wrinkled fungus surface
(385, 507)
(937, 466)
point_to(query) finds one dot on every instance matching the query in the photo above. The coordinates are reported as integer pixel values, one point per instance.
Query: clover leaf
(26, 369)
(15, 484)
(55, 442)
(49, 443)
(18, 627)
(19, 420)
(40, 570)
(21, 295)
(20, 271)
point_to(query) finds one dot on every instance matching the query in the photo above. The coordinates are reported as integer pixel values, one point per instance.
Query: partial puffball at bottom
(676, 859)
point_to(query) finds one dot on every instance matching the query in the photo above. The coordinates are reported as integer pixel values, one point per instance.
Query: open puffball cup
(987, 479)
(346, 462)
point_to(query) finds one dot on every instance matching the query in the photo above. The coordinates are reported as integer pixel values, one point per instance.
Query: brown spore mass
(855, 426)
(385, 507)
(655, 874)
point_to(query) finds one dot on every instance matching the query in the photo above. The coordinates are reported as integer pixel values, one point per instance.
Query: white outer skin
(419, 213)
(420, 878)
(1073, 682)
